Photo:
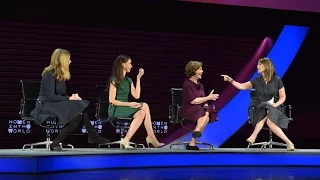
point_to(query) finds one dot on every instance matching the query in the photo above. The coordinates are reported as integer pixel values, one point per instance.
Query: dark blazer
(54, 103)
(51, 89)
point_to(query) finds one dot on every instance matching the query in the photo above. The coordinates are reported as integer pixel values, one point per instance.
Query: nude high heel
(154, 144)
(250, 141)
(290, 148)
(125, 145)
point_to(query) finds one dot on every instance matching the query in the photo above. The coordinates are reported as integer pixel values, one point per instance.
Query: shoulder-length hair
(59, 64)
(116, 77)
(192, 67)
(269, 72)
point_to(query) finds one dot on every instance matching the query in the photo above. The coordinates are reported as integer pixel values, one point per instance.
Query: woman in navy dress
(268, 87)
(195, 104)
(54, 103)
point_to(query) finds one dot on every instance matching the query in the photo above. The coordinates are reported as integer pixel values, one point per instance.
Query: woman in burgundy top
(195, 105)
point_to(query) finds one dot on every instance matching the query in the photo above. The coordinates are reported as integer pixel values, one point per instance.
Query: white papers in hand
(271, 101)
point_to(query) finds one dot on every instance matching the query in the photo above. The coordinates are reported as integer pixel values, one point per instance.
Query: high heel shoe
(55, 147)
(154, 144)
(290, 148)
(249, 142)
(125, 144)
(188, 147)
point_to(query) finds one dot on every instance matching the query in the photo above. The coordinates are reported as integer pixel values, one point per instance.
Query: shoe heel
(148, 142)
(291, 149)
(249, 143)
(122, 145)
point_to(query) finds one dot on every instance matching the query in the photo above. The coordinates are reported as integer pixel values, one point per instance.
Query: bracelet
(231, 81)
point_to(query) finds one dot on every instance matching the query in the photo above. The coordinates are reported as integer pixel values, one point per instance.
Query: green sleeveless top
(123, 92)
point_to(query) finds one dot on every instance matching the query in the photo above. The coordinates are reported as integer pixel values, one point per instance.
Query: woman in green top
(119, 88)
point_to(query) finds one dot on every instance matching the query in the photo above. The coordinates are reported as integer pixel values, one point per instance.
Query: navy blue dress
(53, 102)
(265, 92)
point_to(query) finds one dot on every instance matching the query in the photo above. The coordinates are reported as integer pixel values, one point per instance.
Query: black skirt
(62, 112)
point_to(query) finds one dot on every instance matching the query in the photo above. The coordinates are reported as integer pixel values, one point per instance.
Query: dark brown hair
(116, 77)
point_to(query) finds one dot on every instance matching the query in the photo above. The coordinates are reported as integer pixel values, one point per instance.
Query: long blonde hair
(269, 72)
(59, 64)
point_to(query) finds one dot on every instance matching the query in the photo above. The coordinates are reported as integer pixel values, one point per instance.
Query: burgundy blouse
(190, 111)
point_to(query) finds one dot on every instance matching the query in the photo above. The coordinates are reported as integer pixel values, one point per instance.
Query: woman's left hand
(274, 105)
(77, 96)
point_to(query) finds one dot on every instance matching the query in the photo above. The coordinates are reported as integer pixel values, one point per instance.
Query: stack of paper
(271, 101)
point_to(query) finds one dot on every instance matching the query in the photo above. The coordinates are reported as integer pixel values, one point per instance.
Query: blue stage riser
(59, 163)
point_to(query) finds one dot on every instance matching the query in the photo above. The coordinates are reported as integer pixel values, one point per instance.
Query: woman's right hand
(212, 96)
(135, 105)
(227, 78)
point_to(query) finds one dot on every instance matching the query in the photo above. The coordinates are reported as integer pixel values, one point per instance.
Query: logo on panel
(159, 127)
(96, 125)
(18, 126)
(54, 128)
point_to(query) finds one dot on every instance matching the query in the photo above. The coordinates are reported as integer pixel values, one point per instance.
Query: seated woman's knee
(145, 106)
(140, 114)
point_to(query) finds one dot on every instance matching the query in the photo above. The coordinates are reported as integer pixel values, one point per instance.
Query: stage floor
(184, 173)
(44, 161)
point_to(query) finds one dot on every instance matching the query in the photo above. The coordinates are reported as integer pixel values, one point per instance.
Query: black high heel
(188, 147)
(55, 147)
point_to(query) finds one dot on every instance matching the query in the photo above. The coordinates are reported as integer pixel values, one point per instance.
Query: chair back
(176, 96)
(253, 98)
(30, 93)
(253, 104)
(176, 100)
(102, 104)
(102, 110)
